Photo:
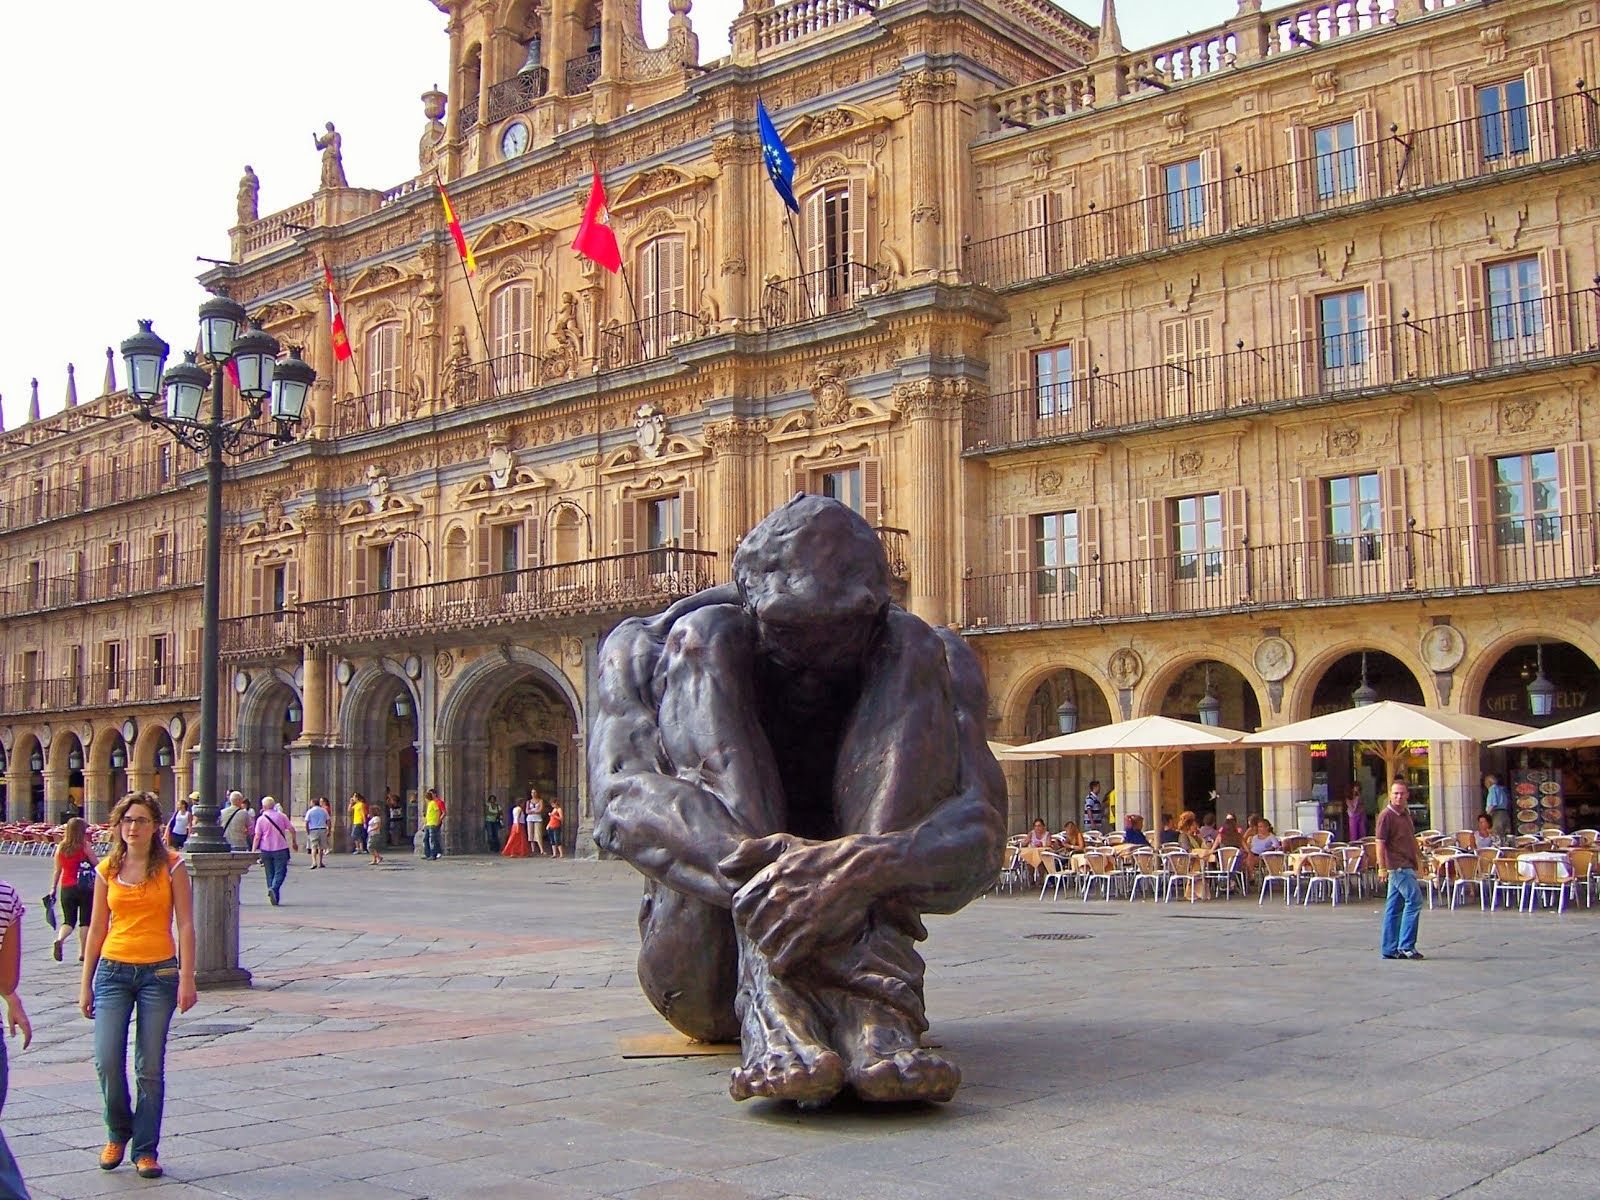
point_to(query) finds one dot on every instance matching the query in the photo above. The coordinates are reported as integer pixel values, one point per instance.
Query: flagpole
(799, 263)
(336, 308)
(633, 304)
(488, 356)
(453, 224)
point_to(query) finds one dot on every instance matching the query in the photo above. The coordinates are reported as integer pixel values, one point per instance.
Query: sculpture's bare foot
(915, 1074)
(786, 1056)
(804, 1074)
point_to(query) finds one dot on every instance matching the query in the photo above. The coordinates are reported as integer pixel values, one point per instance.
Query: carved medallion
(1442, 648)
(1273, 658)
(650, 430)
(1126, 668)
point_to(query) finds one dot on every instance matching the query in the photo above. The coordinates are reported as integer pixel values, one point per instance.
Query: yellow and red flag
(455, 231)
(596, 239)
(341, 339)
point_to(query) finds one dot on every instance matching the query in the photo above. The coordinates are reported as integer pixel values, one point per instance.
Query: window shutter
(1155, 209)
(142, 679)
(1151, 516)
(649, 296)
(1466, 141)
(1380, 332)
(1556, 301)
(1541, 115)
(689, 503)
(1016, 541)
(257, 590)
(1303, 183)
(1081, 410)
(1216, 221)
(1574, 477)
(872, 491)
(1474, 320)
(1175, 366)
(358, 568)
(1035, 222)
(400, 563)
(502, 321)
(1470, 480)
(291, 582)
(1092, 572)
(1303, 333)
(191, 659)
(813, 212)
(532, 546)
(674, 282)
(1204, 392)
(858, 233)
(1236, 544)
(485, 549)
(1305, 532)
(1398, 547)
(1368, 178)
(627, 526)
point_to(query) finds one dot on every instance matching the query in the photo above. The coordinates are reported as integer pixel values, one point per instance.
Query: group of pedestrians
(538, 827)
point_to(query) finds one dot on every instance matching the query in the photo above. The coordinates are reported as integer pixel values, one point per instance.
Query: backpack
(85, 873)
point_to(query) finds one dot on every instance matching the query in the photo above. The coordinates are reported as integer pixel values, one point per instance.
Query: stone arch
(477, 685)
(260, 765)
(357, 717)
(1012, 706)
(103, 783)
(1481, 662)
(61, 748)
(145, 768)
(384, 751)
(1233, 773)
(1153, 689)
(1308, 674)
(23, 805)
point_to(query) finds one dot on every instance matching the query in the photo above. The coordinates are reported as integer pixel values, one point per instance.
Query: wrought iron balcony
(1396, 169)
(1503, 339)
(1509, 555)
(582, 71)
(375, 410)
(646, 579)
(261, 635)
(138, 578)
(100, 491)
(517, 94)
(815, 294)
(645, 339)
(102, 689)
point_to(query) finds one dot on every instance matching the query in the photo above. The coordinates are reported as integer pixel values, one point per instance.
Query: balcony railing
(469, 114)
(260, 635)
(375, 410)
(582, 71)
(517, 94)
(815, 294)
(646, 579)
(99, 491)
(897, 548)
(140, 577)
(1394, 168)
(505, 375)
(102, 689)
(647, 338)
(790, 22)
(1544, 551)
(1088, 404)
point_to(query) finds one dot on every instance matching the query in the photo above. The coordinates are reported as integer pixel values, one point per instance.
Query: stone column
(1455, 794)
(922, 91)
(736, 442)
(932, 408)
(97, 798)
(735, 152)
(216, 917)
(1285, 778)
(55, 792)
(19, 793)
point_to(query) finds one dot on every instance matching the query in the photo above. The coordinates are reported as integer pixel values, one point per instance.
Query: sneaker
(1413, 955)
(1396, 955)
(149, 1168)
(111, 1156)
(55, 951)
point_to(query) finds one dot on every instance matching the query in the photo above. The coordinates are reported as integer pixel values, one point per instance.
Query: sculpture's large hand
(802, 893)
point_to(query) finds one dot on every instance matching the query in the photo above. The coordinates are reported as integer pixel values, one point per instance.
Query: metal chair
(1319, 871)
(1275, 869)
(1508, 880)
(1146, 870)
(1058, 871)
(1226, 869)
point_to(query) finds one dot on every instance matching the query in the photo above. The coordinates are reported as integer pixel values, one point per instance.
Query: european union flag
(780, 163)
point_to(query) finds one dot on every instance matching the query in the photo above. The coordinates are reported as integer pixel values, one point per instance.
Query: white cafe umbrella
(1568, 735)
(1386, 727)
(1006, 752)
(1154, 741)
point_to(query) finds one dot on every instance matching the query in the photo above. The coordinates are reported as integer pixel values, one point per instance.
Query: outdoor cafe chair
(1437, 872)
(1466, 840)
(1352, 868)
(1469, 873)
(1180, 868)
(1508, 880)
(1586, 837)
(1275, 869)
(1099, 870)
(1057, 871)
(1582, 859)
(1146, 870)
(1225, 869)
(1551, 876)
(1322, 839)
(1319, 871)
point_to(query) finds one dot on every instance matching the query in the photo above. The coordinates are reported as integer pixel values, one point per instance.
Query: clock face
(514, 140)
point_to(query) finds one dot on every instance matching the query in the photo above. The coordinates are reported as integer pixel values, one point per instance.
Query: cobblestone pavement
(453, 1029)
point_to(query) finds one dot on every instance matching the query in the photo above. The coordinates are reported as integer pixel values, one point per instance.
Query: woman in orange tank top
(133, 963)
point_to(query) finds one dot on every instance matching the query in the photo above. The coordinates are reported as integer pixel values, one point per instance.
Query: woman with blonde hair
(134, 963)
(73, 885)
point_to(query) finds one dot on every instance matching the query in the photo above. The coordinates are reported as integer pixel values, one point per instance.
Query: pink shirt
(272, 830)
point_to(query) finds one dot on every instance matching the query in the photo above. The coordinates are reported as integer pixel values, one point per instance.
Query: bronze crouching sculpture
(799, 769)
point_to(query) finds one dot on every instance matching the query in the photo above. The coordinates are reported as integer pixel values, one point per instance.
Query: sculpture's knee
(688, 963)
(705, 640)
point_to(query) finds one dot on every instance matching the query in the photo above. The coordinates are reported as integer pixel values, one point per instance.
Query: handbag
(50, 909)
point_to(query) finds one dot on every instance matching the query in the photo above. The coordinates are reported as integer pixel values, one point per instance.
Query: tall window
(1354, 519)
(1197, 535)
(159, 661)
(114, 566)
(1516, 310)
(161, 555)
(509, 543)
(383, 360)
(663, 292)
(1185, 201)
(1335, 161)
(163, 464)
(1503, 120)
(383, 564)
(663, 530)
(1527, 498)
(843, 485)
(836, 247)
(111, 660)
(1342, 332)
(1052, 381)
(1056, 553)
(511, 336)
(36, 583)
(278, 581)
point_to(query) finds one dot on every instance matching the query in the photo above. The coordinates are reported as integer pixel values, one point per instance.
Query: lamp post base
(216, 918)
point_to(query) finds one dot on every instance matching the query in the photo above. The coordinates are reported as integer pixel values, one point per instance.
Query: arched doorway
(26, 760)
(1213, 781)
(1054, 788)
(509, 721)
(1340, 770)
(381, 729)
(1549, 787)
(269, 720)
(65, 778)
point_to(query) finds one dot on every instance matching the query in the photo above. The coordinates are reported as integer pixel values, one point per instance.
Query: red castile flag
(464, 250)
(341, 339)
(596, 240)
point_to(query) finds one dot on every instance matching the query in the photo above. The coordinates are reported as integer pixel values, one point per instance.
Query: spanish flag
(455, 231)
(596, 239)
(341, 339)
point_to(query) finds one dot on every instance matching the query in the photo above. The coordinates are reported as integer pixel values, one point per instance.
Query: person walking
(319, 819)
(178, 826)
(274, 836)
(432, 826)
(1398, 859)
(237, 823)
(135, 964)
(73, 885)
(491, 823)
(358, 823)
(11, 910)
(374, 831)
(534, 812)
(553, 822)
(1497, 803)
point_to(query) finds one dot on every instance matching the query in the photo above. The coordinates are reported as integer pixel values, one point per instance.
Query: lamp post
(250, 356)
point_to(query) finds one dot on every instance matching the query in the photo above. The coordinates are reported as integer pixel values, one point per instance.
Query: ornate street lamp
(1541, 692)
(1210, 706)
(1067, 712)
(1365, 694)
(75, 760)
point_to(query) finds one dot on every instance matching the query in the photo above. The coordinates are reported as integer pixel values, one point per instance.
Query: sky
(132, 123)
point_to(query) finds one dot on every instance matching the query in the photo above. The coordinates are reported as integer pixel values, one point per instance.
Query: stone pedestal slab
(216, 917)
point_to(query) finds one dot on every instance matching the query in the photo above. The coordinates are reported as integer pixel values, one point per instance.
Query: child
(374, 831)
(553, 831)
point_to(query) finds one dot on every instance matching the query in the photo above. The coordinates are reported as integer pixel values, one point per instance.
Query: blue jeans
(11, 1185)
(276, 865)
(1400, 927)
(431, 847)
(121, 989)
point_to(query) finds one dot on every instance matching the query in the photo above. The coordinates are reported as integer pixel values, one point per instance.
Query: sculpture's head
(815, 576)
